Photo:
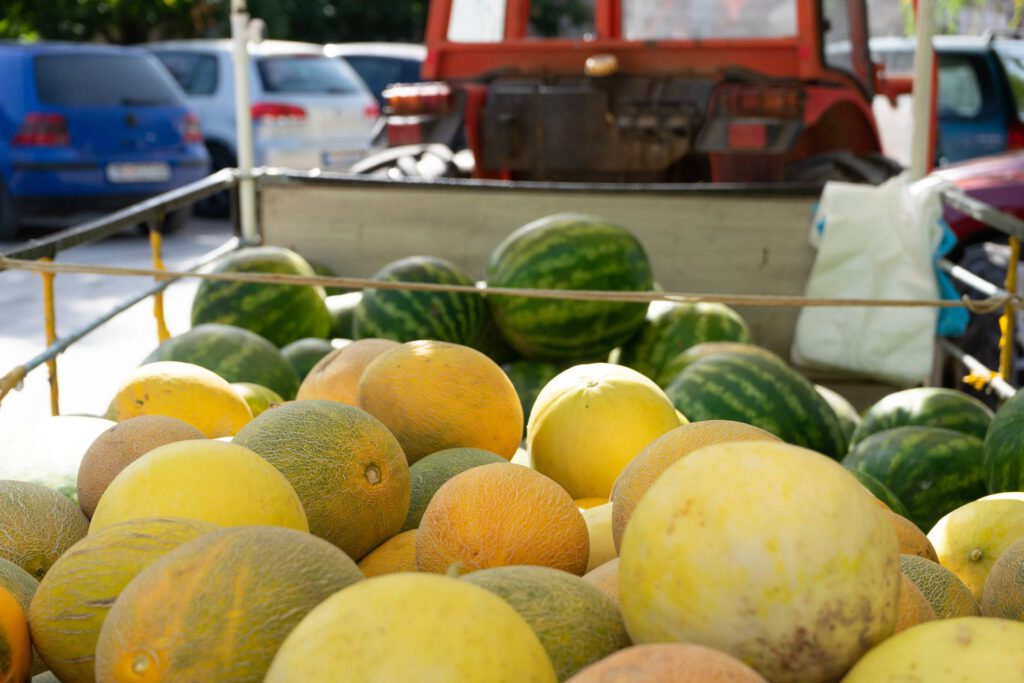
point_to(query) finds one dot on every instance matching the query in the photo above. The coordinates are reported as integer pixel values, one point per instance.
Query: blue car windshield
(102, 80)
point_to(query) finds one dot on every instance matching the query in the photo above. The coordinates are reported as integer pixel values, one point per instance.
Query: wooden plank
(697, 242)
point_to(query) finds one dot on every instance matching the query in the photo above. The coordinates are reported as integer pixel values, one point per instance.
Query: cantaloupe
(606, 578)
(18, 582)
(769, 552)
(963, 650)
(668, 663)
(498, 515)
(336, 376)
(577, 624)
(914, 607)
(397, 554)
(75, 596)
(911, 539)
(590, 421)
(346, 467)
(1003, 593)
(947, 594)
(656, 457)
(218, 607)
(37, 524)
(121, 445)
(411, 627)
(207, 480)
(15, 647)
(428, 474)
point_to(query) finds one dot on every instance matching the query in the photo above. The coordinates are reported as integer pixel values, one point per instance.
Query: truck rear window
(76, 80)
(305, 74)
(702, 19)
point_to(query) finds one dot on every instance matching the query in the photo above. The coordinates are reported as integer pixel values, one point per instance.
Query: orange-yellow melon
(914, 607)
(434, 395)
(397, 554)
(606, 578)
(336, 376)
(15, 646)
(911, 539)
(498, 515)
(656, 457)
(668, 663)
(37, 524)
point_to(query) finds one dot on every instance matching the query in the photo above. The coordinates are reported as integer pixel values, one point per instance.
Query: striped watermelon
(326, 271)
(762, 391)
(683, 360)
(235, 354)
(281, 313)
(931, 470)
(529, 377)
(305, 353)
(849, 418)
(492, 344)
(881, 492)
(568, 251)
(1004, 448)
(926, 407)
(672, 328)
(342, 309)
(408, 316)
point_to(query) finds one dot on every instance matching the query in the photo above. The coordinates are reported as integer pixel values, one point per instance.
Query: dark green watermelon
(326, 271)
(280, 313)
(492, 344)
(305, 353)
(926, 407)
(568, 251)
(881, 492)
(235, 354)
(672, 328)
(342, 309)
(762, 391)
(931, 470)
(529, 377)
(849, 418)
(683, 360)
(408, 315)
(1004, 448)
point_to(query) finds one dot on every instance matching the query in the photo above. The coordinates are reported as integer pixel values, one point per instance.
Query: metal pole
(243, 121)
(922, 106)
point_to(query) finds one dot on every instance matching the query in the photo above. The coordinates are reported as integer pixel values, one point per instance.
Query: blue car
(90, 128)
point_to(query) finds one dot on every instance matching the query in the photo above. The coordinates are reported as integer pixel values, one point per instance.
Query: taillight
(756, 101)
(418, 99)
(404, 130)
(1015, 135)
(277, 113)
(372, 111)
(191, 131)
(42, 130)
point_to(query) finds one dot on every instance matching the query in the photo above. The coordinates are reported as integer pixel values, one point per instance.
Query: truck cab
(730, 91)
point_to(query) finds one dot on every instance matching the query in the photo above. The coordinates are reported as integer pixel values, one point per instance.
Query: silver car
(309, 110)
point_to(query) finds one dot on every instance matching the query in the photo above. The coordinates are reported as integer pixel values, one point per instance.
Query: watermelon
(408, 316)
(235, 354)
(1004, 448)
(342, 309)
(849, 418)
(281, 313)
(762, 391)
(529, 377)
(930, 469)
(324, 270)
(305, 353)
(568, 251)
(672, 328)
(881, 492)
(683, 360)
(926, 407)
(492, 344)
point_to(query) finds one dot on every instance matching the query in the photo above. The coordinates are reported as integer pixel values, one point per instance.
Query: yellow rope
(156, 245)
(12, 380)
(1007, 322)
(50, 325)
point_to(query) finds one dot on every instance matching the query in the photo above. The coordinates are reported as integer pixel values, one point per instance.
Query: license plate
(135, 172)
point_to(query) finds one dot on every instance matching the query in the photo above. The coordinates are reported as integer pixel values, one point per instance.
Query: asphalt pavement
(91, 370)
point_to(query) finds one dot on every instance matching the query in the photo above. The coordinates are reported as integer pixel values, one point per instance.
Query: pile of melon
(680, 506)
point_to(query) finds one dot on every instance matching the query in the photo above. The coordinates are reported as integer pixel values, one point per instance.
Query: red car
(996, 180)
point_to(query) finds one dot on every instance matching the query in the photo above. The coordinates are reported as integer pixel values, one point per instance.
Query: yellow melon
(207, 480)
(963, 650)
(346, 467)
(121, 445)
(606, 578)
(576, 623)
(914, 607)
(336, 376)
(257, 397)
(668, 663)
(218, 607)
(501, 514)
(769, 552)
(1003, 594)
(408, 627)
(434, 395)
(185, 391)
(37, 524)
(397, 554)
(599, 527)
(947, 594)
(911, 539)
(590, 421)
(15, 648)
(75, 596)
(587, 503)
(970, 539)
(656, 457)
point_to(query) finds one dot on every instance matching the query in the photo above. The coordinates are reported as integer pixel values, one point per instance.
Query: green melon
(529, 377)
(18, 583)
(947, 594)
(234, 353)
(569, 252)
(683, 360)
(1004, 448)
(762, 391)
(342, 309)
(37, 525)
(324, 270)
(305, 353)
(428, 474)
(406, 316)
(672, 328)
(881, 492)
(492, 344)
(931, 470)
(575, 621)
(926, 407)
(849, 418)
(258, 398)
(281, 313)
